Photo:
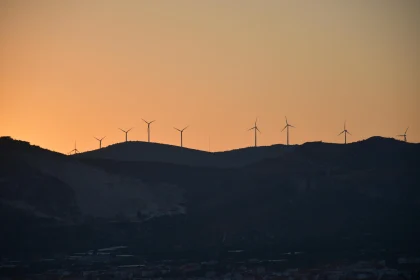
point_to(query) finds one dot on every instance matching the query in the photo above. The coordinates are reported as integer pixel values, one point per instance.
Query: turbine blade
(152, 121)
(291, 126)
(250, 128)
(286, 119)
(103, 138)
(340, 133)
(406, 130)
(348, 132)
(122, 130)
(144, 120)
(284, 128)
(185, 128)
(95, 138)
(258, 129)
(130, 129)
(177, 129)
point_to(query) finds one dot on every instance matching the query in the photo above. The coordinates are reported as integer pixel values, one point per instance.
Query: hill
(29, 175)
(154, 152)
(315, 195)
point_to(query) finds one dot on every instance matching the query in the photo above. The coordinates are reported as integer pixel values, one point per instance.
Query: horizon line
(206, 151)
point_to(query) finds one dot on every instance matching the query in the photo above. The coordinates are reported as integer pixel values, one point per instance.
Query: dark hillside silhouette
(315, 196)
(154, 152)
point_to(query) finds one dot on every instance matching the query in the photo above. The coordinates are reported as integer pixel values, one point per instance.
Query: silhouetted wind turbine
(287, 126)
(404, 135)
(345, 131)
(148, 128)
(255, 128)
(181, 131)
(126, 132)
(75, 150)
(100, 141)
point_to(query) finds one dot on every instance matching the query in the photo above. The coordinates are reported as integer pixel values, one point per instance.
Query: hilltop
(360, 194)
(132, 151)
(154, 152)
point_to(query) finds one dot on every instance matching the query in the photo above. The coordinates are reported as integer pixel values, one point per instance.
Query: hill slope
(90, 190)
(360, 194)
(153, 152)
(368, 188)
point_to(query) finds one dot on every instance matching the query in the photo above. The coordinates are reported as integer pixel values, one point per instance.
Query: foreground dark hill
(36, 180)
(313, 196)
(367, 190)
(154, 152)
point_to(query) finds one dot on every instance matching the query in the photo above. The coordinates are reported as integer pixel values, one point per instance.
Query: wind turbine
(345, 131)
(148, 129)
(100, 141)
(404, 135)
(75, 150)
(126, 132)
(181, 131)
(255, 128)
(287, 126)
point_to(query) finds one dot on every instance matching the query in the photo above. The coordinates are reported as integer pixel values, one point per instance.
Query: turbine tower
(100, 141)
(181, 131)
(404, 135)
(75, 150)
(287, 126)
(255, 128)
(148, 128)
(345, 131)
(126, 133)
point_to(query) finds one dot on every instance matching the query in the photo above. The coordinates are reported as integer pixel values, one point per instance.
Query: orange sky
(74, 69)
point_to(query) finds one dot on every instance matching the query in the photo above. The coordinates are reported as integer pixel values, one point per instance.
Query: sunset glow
(74, 70)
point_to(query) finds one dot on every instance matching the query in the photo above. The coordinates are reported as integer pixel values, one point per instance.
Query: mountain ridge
(288, 197)
(153, 152)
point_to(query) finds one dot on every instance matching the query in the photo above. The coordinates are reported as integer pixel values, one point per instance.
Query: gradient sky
(74, 69)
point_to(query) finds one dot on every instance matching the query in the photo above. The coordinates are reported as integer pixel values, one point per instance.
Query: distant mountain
(167, 198)
(153, 152)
